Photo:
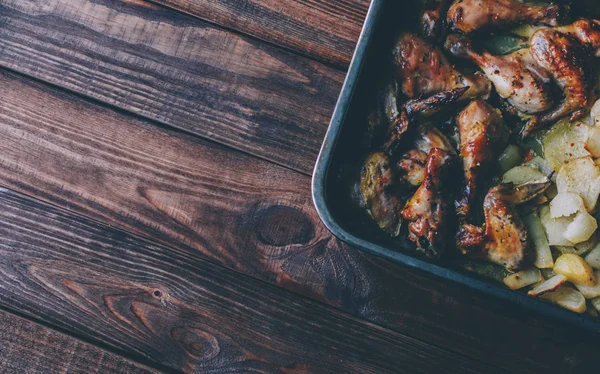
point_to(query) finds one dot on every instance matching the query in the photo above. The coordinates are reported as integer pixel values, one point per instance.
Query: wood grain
(170, 307)
(251, 216)
(177, 70)
(325, 29)
(29, 348)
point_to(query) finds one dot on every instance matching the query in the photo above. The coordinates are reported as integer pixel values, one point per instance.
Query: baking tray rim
(319, 180)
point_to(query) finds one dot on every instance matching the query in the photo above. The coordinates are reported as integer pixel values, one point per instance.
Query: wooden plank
(29, 348)
(249, 215)
(177, 70)
(177, 310)
(325, 29)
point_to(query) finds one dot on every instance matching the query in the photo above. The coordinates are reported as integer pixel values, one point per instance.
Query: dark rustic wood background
(155, 161)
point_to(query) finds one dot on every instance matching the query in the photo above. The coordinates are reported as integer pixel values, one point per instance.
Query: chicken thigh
(566, 53)
(517, 77)
(425, 71)
(472, 15)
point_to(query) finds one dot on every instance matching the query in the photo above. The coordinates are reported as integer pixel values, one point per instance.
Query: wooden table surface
(155, 161)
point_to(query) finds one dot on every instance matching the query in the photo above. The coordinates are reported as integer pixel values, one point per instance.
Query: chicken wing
(483, 136)
(378, 193)
(472, 15)
(425, 71)
(517, 77)
(426, 212)
(504, 239)
(566, 53)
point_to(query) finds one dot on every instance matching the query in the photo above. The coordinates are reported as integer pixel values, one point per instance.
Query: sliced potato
(548, 285)
(575, 268)
(595, 113)
(511, 157)
(566, 204)
(593, 258)
(592, 143)
(555, 227)
(522, 174)
(523, 278)
(582, 228)
(568, 298)
(580, 176)
(565, 141)
(539, 240)
(589, 292)
(563, 249)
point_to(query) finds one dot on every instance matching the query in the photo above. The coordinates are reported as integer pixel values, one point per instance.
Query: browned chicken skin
(517, 77)
(566, 53)
(425, 71)
(426, 212)
(504, 239)
(472, 15)
(412, 165)
(483, 135)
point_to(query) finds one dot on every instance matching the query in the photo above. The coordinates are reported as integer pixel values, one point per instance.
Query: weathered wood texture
(177, 70)
(28, 348)
(325, 29)
(171, 307)
(249, 215)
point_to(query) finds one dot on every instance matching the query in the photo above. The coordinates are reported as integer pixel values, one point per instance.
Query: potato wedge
(589, 292)
(595, 113)
(580, 176)
(523, 278)
(592, 143)
(522, 174)
(548, 285)
(539, 240)
(575, 268)
(547, 273)
(568, 298)
(566, 204)
(581, 229)
(555, 227)
(593, 258)
(565, 141)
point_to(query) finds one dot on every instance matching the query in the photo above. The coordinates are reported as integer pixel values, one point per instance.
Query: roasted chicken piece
(433, 18)
(426, 211)
(425, 71)
(379, 195)
(472, 15)
(414, 110)
(504, 239)
(412, 165)
(517, 77)
(566, 53)
(483, 136)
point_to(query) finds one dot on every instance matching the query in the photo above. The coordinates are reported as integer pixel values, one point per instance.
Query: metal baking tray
(341, 148)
